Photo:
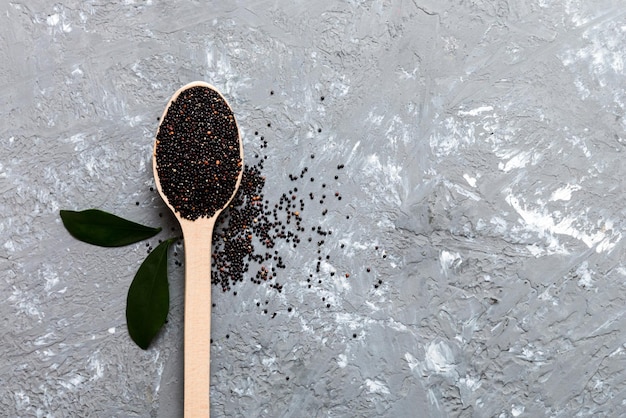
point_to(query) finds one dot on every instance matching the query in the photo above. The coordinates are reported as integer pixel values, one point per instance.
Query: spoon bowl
(198, 165)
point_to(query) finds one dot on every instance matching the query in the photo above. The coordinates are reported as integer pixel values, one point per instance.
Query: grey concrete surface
(483, 144)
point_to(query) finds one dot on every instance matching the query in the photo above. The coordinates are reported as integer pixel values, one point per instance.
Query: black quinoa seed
(251, 232)
(197, 153)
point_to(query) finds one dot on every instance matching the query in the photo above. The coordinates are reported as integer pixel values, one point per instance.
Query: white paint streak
(453, 134)
(268, 361)
(95, 366)
(76, 138)
(517, 160)
(439, 358)
(517, 410)
(342, 360)
(73, 382)
(51, 278)
(22, 400)
(351, 321)
(411, 361)
(340, 87)
(449, 260)
(375, 308)
(375, 119)
(585, 276)
(385, 178)
(376, 386)
(9, 246)
(499, 224)
(529, 353)
(470, 180)
(547, 296)
(470, 383)
(133, 120)
(45, 339)
(398, 326)
(460, 190)
(601, 56)
(476, 111)
(304, 327)
(564, 193)
(53, 19)
(545, 225)
(353, 151)
(26, 303)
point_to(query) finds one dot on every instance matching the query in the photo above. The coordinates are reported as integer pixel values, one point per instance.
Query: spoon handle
(197, 236)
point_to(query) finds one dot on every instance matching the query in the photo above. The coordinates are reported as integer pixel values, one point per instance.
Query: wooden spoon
(179, 162)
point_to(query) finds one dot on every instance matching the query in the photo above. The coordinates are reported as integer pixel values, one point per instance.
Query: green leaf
(101, 228)
(148, 297)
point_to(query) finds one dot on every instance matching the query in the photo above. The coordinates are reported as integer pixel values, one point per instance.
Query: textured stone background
(483, 144)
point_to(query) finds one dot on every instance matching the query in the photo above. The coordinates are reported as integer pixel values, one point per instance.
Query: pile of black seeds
(252, 235)
(246, 235)
(252, 231)
(197, 153)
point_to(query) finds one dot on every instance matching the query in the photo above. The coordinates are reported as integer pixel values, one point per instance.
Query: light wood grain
(198, 236)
